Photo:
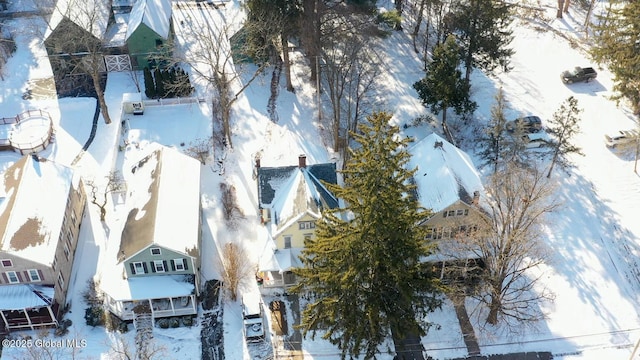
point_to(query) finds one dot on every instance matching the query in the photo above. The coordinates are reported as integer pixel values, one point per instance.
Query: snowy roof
(32, 213)
(147, 287)
(445, 173)
(299, 194)
(25, 296)
(163, 202)
(156, 14)
(91, 15)
(271, 179)
(280, 260)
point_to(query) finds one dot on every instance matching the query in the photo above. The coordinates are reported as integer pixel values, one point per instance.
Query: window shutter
(4, 276)
(173, 265)
(164, 265)
(41, 275)
(26, 275)
(19, 276)
(153, 267)
(144, 267)
(133, 269)
(184, 261)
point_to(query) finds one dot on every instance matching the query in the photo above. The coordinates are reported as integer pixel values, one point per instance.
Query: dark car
(530, 124)
(578, 74)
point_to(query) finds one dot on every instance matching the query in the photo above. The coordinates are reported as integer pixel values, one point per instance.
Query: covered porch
(275, 270)
(26, 307)
(163, 296)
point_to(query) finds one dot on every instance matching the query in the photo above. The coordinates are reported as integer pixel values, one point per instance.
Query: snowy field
(595, 236)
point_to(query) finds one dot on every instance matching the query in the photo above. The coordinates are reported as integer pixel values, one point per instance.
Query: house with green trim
(148, 30)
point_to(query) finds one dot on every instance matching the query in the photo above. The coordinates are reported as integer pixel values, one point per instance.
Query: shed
(132, 103)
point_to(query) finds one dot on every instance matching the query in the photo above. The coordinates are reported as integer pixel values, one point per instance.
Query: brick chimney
(302, 161)
(257, 163)
(476, 197)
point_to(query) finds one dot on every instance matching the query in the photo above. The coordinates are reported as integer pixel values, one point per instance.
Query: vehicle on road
(529, 124)
(253, 320)
(578, 74)
(622, 137)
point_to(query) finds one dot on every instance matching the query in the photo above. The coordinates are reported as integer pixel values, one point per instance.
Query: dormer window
(7, 263)
(156, 251)
(303, 225)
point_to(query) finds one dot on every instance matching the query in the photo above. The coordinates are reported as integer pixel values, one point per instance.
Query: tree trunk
(566, 5)
(494, 308)
(560, 7)
(101, 100)
(416, 29)
(287, 62)
(553, 162)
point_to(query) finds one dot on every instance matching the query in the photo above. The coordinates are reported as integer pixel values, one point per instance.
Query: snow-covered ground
(595, 236)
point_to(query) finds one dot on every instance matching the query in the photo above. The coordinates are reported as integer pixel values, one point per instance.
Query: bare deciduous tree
(209, 53)
(76, 46)
(121, 349)
(508, 240)
(200, 149)
(235, 268)
(99, 193)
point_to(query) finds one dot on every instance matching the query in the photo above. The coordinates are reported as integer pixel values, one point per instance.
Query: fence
(173, 101)
(19, 122)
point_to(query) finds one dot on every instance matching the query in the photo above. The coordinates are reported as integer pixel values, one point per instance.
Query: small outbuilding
(132, 103)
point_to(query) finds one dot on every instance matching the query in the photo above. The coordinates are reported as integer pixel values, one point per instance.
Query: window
(7, 263)
(73, 218)
(302, 225)
(70, 238)
(138, 268)
(287, 242)
(179, 264)
(466, 212)
(158, 43)
(12, 277)
(451, 213)
(159, 266)
(55, 262)
(66, 250)
(34, 275)
(156, 251)
(60, 280)
(459, 212)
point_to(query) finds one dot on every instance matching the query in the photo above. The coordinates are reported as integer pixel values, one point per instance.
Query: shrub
(187, 321)
(163, 323)
(149, 85)
(95, 316)
(174, 322)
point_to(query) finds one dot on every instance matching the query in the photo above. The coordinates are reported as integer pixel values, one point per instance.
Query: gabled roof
(445, 173)
(156, 14)
(90, 15)
(31, 213)
(163, 201)
(292, 191)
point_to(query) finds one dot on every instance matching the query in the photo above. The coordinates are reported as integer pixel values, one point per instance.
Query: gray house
(41, 209)
(155, 268)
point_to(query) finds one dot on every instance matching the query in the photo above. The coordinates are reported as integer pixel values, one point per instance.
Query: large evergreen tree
(443, 87)
(364, 269)
(564, 125)
(482, 28)
(494, 141)
(618, 46)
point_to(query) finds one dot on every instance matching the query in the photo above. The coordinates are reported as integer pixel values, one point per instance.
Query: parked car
(621, 137)
(252, 320)
(578, 74)
(529, 124)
